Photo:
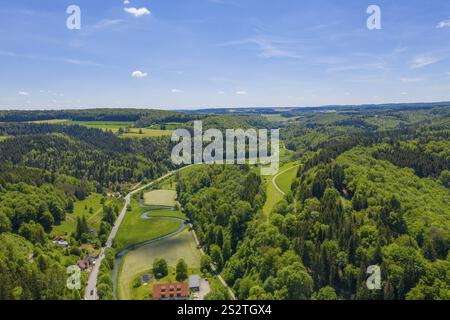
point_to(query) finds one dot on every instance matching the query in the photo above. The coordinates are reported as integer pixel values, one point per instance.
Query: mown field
(139, 261)
(164, 198)
(114, 126)
(145, 133)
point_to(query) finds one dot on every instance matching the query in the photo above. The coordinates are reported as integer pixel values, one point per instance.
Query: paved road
(279, 174)
(231, 293)
(91, 288)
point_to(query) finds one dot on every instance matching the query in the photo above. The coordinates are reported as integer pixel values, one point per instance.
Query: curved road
(91, 288)
(279, 174)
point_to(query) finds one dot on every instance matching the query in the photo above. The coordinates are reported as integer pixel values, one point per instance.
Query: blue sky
(222, 53)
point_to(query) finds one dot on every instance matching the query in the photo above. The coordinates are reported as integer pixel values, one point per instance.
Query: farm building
(173, 291)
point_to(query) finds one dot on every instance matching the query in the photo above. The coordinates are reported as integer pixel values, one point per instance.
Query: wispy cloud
(175, 91)
(137, 12)
(7, 53)
(268, 48)
(241, 93)
(105, 23)
(411, 80)
(139, 74)
(423, 61)
(56, 59)
(367, 66)
(443, 24)
(79, 62)
(24, 93)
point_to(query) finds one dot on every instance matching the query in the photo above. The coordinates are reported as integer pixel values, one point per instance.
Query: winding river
(122, 253)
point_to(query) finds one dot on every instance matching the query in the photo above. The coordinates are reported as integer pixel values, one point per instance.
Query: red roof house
(172, 291)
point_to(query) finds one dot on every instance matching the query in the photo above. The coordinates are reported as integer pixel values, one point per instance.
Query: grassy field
(114, 126)
(166, 213)
(3, 138)
(52, 121)
(273, 196)
(83, 208)
(169, 126)
(104, 125)
(138, 261)
(275, 117)
(134, 229)
(284, 181)
(164, 198)
(146, 133)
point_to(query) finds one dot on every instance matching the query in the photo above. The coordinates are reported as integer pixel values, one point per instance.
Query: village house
(61, 242)
(84, 263)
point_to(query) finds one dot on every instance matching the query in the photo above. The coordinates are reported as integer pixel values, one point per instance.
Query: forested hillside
(369, 191)
(372, 188)
(56, 203)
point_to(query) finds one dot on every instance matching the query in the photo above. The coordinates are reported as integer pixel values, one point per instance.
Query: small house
(61, 242)
(83, 264)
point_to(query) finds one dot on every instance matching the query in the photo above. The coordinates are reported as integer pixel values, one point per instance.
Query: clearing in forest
(164, 198)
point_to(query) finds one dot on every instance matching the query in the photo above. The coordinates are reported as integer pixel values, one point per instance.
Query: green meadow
(92, 208)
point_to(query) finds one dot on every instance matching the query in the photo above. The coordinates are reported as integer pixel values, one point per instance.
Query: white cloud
(137, 12)
(443, 24)
(126, 2)
(176, 91)
(139, 74)
(411, 80)
(221, 92)
(423, 61)
(23, 93)
(241, 93)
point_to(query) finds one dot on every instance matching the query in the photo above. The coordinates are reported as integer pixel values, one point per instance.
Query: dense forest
(369, 191)
(372, 188)
(44, 170)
